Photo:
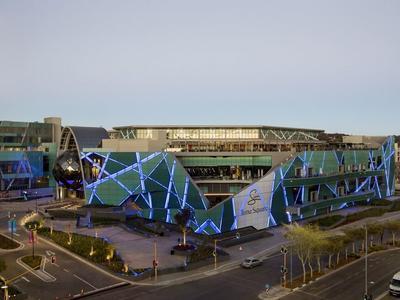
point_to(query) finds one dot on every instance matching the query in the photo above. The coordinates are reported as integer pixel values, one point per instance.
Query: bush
(327, 221)
(82, 245)
(63, 214)
(380, 202)
(395, 206)
(371, 212)
(33, 262)
(376, 248)
(203, 251)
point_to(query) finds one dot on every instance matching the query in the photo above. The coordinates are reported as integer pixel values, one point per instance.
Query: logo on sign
(254, 197)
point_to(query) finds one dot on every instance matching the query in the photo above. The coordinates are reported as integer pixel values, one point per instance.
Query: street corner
(40, 273)
(275, 292)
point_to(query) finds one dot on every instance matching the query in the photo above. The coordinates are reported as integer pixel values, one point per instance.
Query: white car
(251, 262)
(394, 287)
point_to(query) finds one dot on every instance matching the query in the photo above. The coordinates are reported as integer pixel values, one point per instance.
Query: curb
(21, 245)
(34, 272)
(107, 288)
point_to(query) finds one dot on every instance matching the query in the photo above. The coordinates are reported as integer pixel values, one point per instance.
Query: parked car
(251, 262)
(394, 286)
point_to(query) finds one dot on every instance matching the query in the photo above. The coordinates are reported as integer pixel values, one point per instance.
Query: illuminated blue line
(139, 164)
(170, 184)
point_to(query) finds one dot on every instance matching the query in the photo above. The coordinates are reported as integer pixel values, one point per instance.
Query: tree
(182, 219)
(319, 247)
(355, 234)
(334, 246)
(375, 229)
(306, 241)
(393, 226)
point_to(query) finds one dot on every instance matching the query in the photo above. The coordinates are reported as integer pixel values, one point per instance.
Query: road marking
(50, 253)
(65, 270)
(26, 279)
(84, 281)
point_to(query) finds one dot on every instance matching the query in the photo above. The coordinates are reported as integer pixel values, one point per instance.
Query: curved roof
(89, 137)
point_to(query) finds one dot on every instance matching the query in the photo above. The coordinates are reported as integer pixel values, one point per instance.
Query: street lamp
(32, 229)
(237, 236)
(5, 288)
(366, 295)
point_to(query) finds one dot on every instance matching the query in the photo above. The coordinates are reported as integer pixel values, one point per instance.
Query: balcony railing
(322, 178)
(311, 206)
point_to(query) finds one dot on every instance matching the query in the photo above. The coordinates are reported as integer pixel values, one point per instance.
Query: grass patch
(7, 243)
(63, 213)
(33, 262)
(395, 206)
(380, 202)
(371, 212)
(327, 221)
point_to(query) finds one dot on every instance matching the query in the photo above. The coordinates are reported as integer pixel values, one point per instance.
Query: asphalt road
(345, 284)
(72, 276)
(349, 283)
(235, 284)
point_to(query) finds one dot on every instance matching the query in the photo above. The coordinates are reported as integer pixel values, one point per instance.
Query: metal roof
(214, 126)
(88, 137)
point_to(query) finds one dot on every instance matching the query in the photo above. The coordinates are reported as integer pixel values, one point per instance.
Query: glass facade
(19, 135)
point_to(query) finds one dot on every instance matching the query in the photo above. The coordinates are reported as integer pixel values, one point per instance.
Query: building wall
(159, 186)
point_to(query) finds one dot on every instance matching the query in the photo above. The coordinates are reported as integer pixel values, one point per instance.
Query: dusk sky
(333, 65)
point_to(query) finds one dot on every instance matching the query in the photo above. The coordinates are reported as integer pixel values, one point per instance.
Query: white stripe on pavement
(84, 281)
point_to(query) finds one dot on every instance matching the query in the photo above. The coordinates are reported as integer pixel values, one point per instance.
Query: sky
(332, 65)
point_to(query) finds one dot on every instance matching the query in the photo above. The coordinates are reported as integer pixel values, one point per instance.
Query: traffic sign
(284, 250)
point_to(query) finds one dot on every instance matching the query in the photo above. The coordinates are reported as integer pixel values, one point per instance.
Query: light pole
(366, 296)
(33, 230)
(215, 254)
(155, 262)
(237, 236)
(5, 288)
(284, 251)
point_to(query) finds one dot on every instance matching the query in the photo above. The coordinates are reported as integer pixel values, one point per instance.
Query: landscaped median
(32, 261)
(7, 243)
(378, 208)
(93, 249)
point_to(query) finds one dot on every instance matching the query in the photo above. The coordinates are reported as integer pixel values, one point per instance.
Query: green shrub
(395, 206)
(82, 245)
(380, 202)
(371, 212)
(376, 248)
(63, 213)
(327, 221)
(33, 262)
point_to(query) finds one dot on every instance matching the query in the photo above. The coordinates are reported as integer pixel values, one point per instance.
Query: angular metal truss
(159, 185)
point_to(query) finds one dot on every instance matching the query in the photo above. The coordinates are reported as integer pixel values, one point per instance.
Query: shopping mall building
(230, 177)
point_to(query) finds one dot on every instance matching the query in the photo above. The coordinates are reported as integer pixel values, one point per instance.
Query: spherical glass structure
(67, 170)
